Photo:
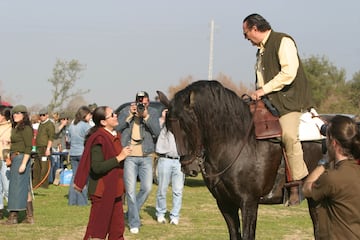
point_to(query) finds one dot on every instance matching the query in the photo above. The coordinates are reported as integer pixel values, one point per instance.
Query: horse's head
(184, 127)
(205, 118)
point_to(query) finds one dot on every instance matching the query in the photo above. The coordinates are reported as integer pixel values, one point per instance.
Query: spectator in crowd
(20, 197)
(169, 171)
(44, 139)
(35, 122)
(78, 129)
(61, 124)
(103, 164)
(337, 189)
(5, 133)
(139, 127)
(92, 107)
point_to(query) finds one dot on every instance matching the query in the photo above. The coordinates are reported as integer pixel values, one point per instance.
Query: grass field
(200, 219)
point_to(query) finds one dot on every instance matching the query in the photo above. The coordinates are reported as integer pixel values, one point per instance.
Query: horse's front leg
(231, 216)
(249, 211)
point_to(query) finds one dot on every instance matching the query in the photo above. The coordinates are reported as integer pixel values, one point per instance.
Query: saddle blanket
(309, 128)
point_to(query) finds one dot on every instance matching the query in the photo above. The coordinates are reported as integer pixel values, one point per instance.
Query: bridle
(199, 154)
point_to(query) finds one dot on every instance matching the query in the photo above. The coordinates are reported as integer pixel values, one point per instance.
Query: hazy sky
(128, 46)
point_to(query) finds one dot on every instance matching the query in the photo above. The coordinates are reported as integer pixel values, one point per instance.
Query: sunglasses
(42, 115)
(111, 115)
(18, 113)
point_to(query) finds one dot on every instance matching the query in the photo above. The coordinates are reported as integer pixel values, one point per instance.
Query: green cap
(19, 108)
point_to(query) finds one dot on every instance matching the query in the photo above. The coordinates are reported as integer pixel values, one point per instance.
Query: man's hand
(257, 94)
(134, 111)
(133, 108)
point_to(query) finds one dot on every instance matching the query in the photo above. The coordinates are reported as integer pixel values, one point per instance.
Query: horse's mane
(214, 108)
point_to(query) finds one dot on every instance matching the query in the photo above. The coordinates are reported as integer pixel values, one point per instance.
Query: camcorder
(140, 106)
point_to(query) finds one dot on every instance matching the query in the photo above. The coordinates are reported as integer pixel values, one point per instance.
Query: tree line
(331, 91)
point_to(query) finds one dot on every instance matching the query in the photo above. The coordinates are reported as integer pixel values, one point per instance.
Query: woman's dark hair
(257, 20)
(6, 112)
(81, 114)
(98, 114)
(21, 125)
(346, 132)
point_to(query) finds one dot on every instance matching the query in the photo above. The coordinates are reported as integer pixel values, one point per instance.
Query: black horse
(213, 127)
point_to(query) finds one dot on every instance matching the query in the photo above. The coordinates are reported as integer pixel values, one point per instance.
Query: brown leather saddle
(266, 124)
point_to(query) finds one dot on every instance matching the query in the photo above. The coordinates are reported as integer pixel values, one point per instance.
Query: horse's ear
(163, 99)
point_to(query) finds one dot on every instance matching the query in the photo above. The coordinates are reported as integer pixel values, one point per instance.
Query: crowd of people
(103, 148)
(111, 154)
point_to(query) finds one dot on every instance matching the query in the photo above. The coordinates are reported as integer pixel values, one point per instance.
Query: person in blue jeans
(78, 129)
(139, 126)
(169, 170)
(5, 134)
(58, 144)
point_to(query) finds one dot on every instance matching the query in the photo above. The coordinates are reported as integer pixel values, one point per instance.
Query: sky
(129, 46)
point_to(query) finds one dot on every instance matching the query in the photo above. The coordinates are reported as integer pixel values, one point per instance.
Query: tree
(74, 104)
(228, 83)
(65, 75)
(183, 83)
(4, 97)
(327, 82)
(222, 78)
(354, 86)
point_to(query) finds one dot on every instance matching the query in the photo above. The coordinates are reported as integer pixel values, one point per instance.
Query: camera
(140, 108)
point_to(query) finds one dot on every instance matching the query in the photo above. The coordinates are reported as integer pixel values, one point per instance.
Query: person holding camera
(336, 189)
(139, 126)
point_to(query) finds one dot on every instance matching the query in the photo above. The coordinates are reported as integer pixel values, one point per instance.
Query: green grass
(200, 218)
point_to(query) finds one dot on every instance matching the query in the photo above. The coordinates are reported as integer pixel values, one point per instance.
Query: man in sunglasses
(280, 78)
(44, 139)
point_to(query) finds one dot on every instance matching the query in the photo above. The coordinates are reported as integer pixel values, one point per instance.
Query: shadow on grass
(43, 194)
(194, 182)
(6, 213)
(151, 211)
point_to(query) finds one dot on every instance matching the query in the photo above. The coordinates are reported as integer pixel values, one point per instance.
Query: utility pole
(211, 55)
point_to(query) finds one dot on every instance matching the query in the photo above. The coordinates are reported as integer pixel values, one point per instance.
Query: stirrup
(287, 193)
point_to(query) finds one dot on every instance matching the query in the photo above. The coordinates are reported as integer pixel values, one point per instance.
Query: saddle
(266, 124)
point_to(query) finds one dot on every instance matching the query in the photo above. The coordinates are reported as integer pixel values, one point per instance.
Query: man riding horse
(281, 78)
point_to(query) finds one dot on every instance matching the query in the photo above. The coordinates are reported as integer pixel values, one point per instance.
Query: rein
(246, 138)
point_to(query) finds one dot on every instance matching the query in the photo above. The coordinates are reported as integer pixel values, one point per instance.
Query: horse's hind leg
(314, 214)
(231, 216)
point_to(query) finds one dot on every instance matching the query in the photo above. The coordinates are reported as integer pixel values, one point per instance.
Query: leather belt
(167, 156)
(14, 154)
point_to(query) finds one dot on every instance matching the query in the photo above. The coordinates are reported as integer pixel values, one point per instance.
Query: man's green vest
(295, 97)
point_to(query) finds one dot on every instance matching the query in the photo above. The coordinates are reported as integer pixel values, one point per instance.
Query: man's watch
(323, 162)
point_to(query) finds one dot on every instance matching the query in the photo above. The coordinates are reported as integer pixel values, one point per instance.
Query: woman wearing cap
(19, 188)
